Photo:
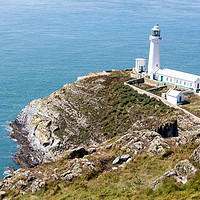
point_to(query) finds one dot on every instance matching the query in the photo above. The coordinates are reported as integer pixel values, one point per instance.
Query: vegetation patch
(193, 104)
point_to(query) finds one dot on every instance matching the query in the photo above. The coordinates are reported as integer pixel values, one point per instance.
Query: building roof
(140, 59)
(178, 74)
(173, 93)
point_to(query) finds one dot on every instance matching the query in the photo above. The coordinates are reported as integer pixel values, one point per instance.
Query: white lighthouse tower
(154, 53)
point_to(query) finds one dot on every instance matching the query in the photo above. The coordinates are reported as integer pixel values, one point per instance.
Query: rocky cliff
(96, 126)
(86, 112)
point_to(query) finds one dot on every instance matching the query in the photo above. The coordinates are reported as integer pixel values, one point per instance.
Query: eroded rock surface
(26, 180)
(181, 172)
(196, 155)
(139, 142)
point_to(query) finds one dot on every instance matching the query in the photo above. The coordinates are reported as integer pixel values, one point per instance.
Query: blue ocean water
(45, 44)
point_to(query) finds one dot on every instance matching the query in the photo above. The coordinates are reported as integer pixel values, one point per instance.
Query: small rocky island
(100, 139)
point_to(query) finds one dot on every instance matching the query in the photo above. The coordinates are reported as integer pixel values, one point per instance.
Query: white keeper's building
(174, 96)
(178, 78)
(165, 75)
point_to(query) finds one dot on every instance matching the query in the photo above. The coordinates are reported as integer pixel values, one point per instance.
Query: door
(197, 90)
(180, 99)
(161, 78)
(142, 68)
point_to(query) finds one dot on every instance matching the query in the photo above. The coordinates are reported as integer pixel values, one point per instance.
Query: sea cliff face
(32, 130)
(41, 125)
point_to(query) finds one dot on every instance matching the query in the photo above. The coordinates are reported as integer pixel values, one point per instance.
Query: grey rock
(181, 172)
(157, 146)
(170, 173)
(55, 177)
(76, 167)
(69, 177)
(116, 161)
(91, 150)
(129, 160)
(155, 150)
(36, 185)
(124, 158)
(66, 173)
(20, 185)
(196, 155)
(183, 169)
(76, 153)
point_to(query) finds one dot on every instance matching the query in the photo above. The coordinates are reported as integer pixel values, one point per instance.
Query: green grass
(193, 105)
(131, 182)
(109, 111)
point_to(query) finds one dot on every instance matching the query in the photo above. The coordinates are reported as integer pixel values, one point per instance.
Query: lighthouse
(154, 52)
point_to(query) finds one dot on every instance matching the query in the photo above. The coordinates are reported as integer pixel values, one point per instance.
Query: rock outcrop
(33, 179)
(157, 146)
(139, 142)
(181, 172)
(196, 155)
(88, 112)
(33, 128)
(46, 127)
(76, 167)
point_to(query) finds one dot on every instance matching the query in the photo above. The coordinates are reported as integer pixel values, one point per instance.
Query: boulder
(181, 172)
(76, 167)
(116, 161)
(76, 153)
(155, 150)
(124, 158)
(36, 185)
(183, 169)
(157, 146)
(196, 155)
(129, 160)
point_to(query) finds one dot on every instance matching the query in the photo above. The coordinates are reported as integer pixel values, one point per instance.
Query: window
(184, 83)
(166, 78)
(170, 79)
(177, 81)
(155, 33)
(190, 84)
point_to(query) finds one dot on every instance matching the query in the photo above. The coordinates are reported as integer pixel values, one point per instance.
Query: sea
(46, 44)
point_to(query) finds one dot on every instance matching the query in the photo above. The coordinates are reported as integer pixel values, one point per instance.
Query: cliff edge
(97, 135)
(86, 112)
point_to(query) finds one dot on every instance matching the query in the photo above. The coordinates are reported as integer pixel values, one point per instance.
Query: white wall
(172, 100)
(154, 55)
(175, 100)
(181, 82)
(139, 62)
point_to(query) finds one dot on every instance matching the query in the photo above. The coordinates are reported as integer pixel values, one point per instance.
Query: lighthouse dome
(155, 31)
